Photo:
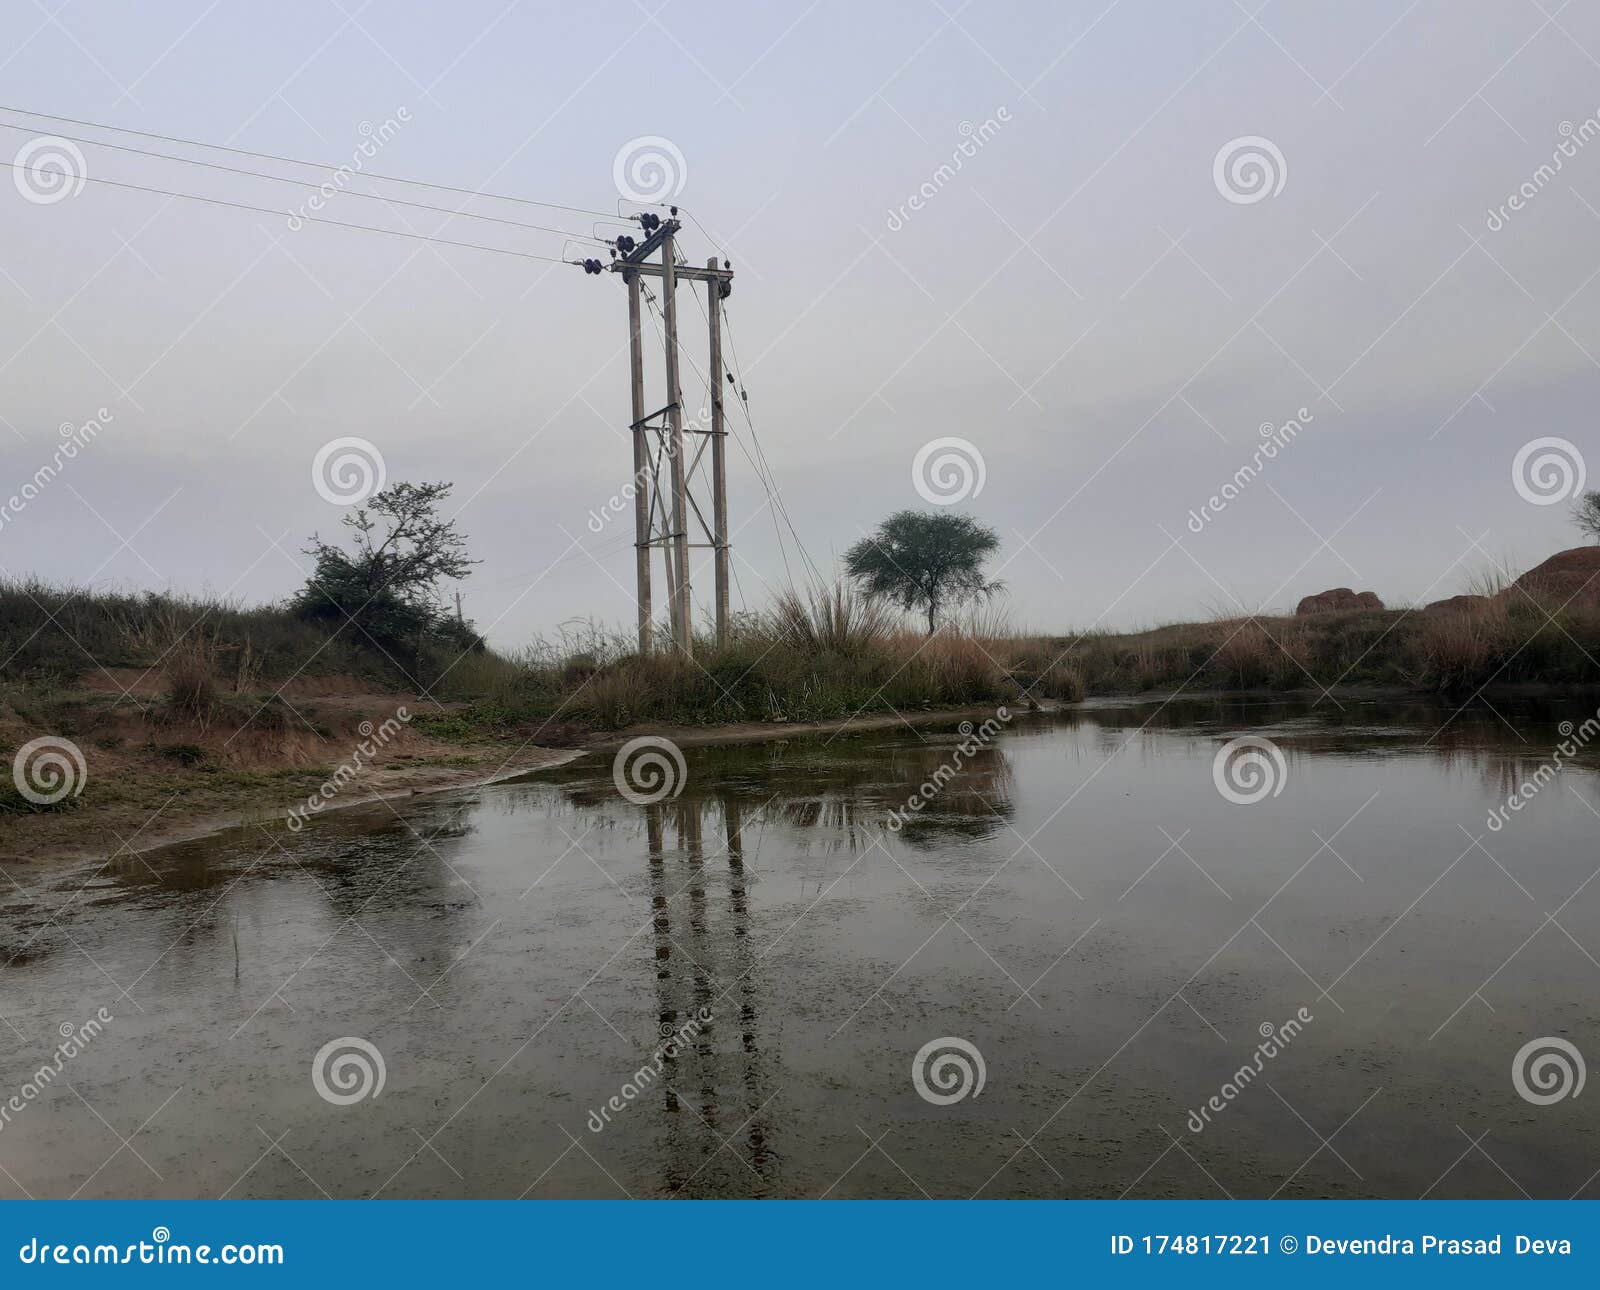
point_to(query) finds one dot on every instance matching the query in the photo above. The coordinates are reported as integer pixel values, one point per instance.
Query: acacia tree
(389, 583)
(1586, 514)
(930, 562)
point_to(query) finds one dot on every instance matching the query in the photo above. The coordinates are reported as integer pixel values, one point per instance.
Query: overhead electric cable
(310, 219)
(311, 183)
(296, 161)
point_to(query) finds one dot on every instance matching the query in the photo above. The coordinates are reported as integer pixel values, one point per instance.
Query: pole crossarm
(643, 423)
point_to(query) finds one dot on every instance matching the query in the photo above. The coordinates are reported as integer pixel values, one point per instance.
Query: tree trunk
(931, 608)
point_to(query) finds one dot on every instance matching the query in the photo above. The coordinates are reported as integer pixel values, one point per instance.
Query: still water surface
(1080, 904)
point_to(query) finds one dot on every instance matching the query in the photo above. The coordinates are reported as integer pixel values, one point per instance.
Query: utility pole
(719, 460)
(641, 472)
(664, 501)
(682, 624)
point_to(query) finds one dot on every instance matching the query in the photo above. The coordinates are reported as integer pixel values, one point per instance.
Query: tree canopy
(388, 585)
(1586, 514)
(921, 560)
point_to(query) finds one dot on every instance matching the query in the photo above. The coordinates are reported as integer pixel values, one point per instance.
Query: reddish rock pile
(1566, 576)
(1457, 604)
(1339, 600)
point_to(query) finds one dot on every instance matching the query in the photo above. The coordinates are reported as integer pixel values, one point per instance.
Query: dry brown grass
(190, 674)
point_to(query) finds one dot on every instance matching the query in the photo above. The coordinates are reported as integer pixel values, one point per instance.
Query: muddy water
(1078, 902)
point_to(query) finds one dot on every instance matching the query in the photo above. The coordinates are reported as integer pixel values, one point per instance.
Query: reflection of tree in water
(966, 799)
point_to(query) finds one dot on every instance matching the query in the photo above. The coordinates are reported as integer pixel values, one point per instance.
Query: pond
(1097, 953)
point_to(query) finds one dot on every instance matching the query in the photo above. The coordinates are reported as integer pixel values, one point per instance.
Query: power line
(295, 161)
(762, 477)
(755, 466)
(310, 183)
(744, 404)
(310, 219)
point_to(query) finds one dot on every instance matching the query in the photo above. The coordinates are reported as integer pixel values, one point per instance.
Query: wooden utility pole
(665, 507)
(641, 472)
(719, 460)
(682, 622)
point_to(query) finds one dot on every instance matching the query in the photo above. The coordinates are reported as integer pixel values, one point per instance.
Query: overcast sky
(1097, 299)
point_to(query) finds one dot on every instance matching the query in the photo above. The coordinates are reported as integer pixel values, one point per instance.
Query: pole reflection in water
(707, 1083)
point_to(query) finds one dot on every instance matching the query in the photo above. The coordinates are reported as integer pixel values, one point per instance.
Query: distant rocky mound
(1457, 604)
(1567, 575)
(1339, 600)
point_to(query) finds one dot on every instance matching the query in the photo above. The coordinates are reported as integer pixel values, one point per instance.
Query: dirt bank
(148, 782)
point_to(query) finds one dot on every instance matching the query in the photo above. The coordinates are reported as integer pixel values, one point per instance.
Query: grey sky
(1036, 305)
